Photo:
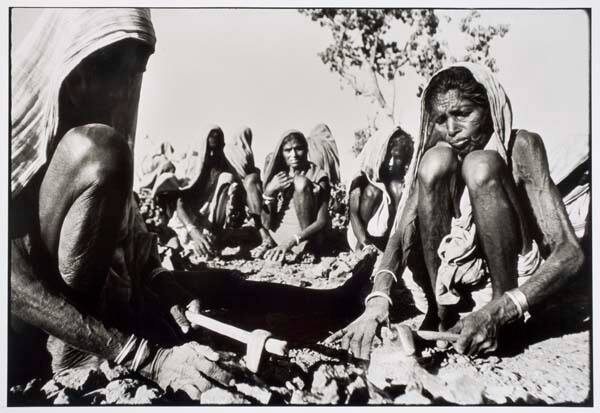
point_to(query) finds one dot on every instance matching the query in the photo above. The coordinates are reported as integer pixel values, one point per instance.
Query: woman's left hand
(278, 253)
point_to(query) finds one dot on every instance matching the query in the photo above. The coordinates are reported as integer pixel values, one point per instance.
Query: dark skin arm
(34, 302)
(358, 336)
(532, 175)
(203, 244)
(253, 188)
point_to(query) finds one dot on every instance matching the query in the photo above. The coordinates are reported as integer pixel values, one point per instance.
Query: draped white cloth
(56, 44)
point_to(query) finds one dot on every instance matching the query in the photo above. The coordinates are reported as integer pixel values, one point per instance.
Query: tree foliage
(365, 56)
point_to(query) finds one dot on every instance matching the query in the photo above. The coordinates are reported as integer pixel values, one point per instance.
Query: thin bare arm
(32, 301)
(531, 173)
(566, 257)
(358, 336)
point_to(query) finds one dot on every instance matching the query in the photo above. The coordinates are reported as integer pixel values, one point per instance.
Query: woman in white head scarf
(483, 204)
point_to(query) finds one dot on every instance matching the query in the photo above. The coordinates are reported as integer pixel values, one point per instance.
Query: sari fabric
(56, 44)
(323, 152)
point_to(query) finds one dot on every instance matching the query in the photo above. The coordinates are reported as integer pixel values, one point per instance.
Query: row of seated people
(290, 211)
(478, 206)
(202, 190)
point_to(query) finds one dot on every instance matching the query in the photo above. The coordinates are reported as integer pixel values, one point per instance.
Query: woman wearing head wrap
(484, 204)
(303, 189)
(206, 190)
(376, 186)
(83, 267)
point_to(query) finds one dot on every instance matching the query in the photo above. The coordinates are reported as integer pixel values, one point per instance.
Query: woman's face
(460, 122)
(294, 153)
(215, 144)
(398, 154)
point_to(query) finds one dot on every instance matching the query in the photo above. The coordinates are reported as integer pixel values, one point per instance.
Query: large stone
(81, 380)
(121, 391)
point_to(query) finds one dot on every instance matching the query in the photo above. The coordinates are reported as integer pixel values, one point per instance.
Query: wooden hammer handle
(437, 335)
(219, 327)
(272, 345)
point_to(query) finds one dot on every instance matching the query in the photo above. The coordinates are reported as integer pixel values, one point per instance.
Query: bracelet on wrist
(383, 271)
(378, 294)
(138, 349)
(297, 239)
(517, 297)
(268, 199)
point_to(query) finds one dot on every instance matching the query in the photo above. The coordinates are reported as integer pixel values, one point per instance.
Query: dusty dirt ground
(545, 361)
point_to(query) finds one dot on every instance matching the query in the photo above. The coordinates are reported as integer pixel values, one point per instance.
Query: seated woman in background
(208, 193)
(376, 186)
(296, 195)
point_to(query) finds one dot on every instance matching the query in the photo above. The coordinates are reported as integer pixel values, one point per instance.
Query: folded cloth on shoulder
(323, 152)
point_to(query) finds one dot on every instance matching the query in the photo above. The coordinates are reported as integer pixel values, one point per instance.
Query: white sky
(236, 67)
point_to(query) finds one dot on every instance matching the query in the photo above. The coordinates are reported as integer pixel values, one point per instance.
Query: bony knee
(482, 168)
(302, 184)
(437, 164)
(371, 192)
(99, 152)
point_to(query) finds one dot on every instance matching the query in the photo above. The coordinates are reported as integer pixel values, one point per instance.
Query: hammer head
(255, 348)
(400, 337)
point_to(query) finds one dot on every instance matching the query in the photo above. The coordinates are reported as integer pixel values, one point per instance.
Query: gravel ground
(548, 365)
(545, 361)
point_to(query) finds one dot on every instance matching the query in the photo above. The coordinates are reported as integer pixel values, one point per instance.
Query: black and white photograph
(374, 205)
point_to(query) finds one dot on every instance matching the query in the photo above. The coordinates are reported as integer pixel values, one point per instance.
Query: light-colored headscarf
(277, 163)
(368, 164)
(238, 151)
(500, 111)
(460, 261)
(323, 152)
(57, 43)
(372, 156)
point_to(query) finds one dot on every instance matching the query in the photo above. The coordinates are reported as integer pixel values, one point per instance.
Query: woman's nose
(452, 127)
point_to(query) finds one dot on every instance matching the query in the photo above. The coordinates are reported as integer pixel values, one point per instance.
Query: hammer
(405, 336)
(256, 341)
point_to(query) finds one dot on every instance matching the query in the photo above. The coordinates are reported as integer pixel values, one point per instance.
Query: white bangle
(386, 272)
(378, 294)
(131, 341)
(520, 301)
(139, 355)
(297, 238)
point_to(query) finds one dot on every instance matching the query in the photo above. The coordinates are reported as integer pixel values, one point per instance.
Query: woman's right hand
(279, 182)
(191, 368)
(203, 243)
(358, 336)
